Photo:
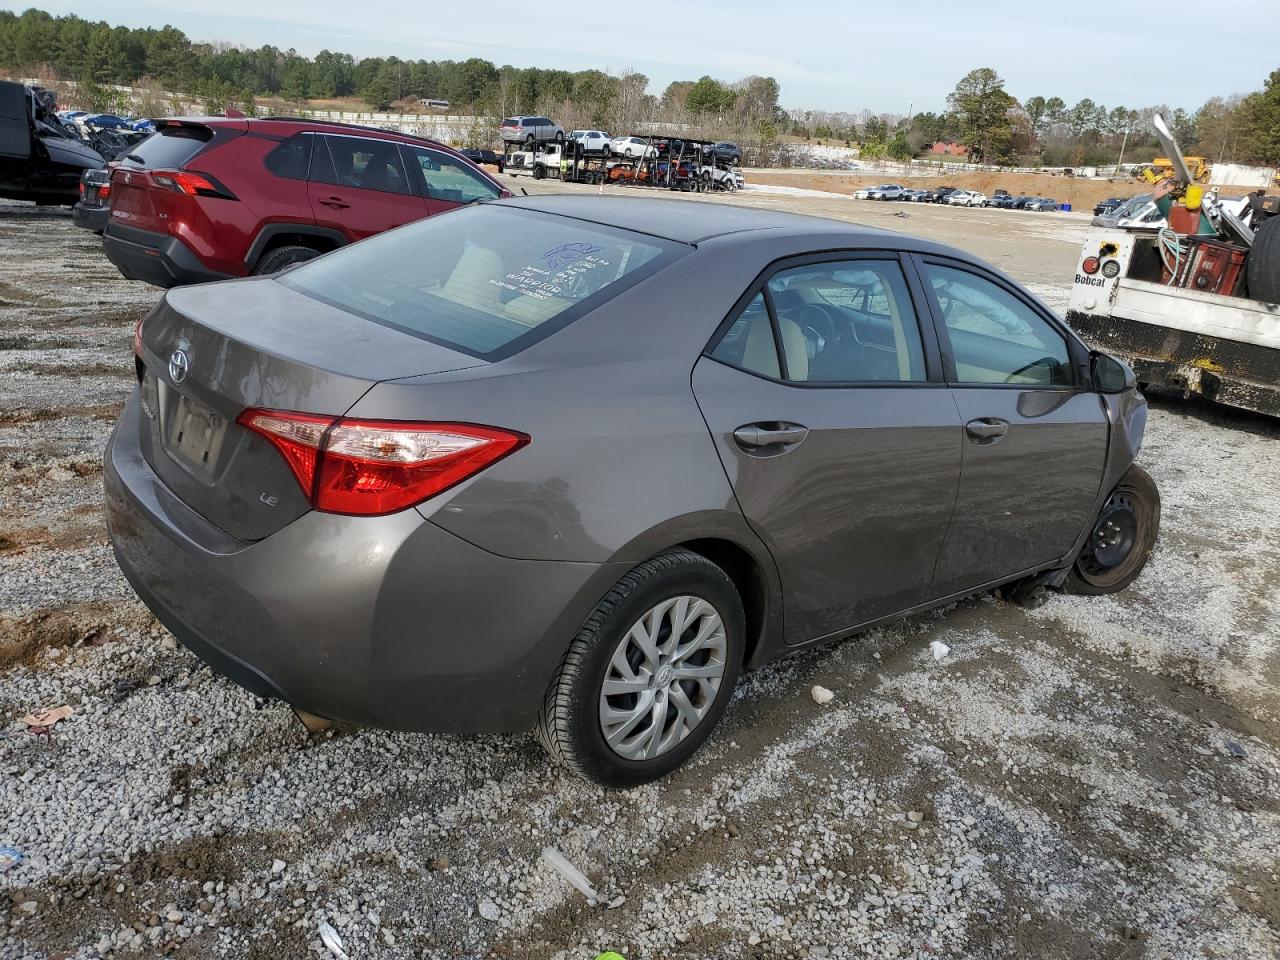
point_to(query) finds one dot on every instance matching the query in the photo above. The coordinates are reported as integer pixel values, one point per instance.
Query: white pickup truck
(535, 163)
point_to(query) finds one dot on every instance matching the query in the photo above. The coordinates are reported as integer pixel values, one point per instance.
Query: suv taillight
(374, 467)
(192, 184)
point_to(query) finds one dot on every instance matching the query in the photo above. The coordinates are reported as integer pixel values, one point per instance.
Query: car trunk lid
(210, 352)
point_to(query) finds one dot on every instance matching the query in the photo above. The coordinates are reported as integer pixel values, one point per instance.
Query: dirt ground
(1095, 778)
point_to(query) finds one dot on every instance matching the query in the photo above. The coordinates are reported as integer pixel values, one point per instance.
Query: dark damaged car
(40, 158)
(571, 463)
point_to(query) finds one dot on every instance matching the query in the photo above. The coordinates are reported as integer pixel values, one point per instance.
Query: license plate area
(195, 434)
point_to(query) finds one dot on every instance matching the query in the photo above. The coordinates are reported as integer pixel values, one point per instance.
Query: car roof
(286, 126)
(690, 221)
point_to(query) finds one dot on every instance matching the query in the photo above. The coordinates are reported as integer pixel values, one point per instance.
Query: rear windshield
(171, 147)
(486, 280)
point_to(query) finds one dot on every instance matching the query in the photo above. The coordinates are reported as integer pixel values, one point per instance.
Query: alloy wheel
(663, 678)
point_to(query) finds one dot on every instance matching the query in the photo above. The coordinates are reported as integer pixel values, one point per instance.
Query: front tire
(1122, 538)
(649, 675)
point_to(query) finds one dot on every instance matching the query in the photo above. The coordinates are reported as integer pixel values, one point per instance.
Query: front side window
(445, 177)
(359, 162)
(995, 336)
(486, 280)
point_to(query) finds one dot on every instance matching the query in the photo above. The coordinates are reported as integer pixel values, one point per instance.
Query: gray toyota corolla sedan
(571, 463)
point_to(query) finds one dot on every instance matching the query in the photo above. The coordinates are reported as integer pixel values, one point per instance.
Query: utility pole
(1123, 140)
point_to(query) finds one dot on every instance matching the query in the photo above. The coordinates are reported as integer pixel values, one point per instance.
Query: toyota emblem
(178, 366)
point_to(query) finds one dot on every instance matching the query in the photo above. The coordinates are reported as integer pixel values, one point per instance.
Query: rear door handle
(755, 436)
(986, 429)
(336, 202)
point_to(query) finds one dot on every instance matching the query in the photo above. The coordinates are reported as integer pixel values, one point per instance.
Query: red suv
(220, 197)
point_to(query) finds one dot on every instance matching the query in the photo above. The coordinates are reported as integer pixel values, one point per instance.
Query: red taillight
(372, 467)
(192, 184)
(1090, 265)
(82, 190)
(104, 191)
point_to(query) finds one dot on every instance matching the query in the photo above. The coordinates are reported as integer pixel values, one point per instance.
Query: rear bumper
(382, 621)
(154, 258)
(1230, 372)
(90, 218)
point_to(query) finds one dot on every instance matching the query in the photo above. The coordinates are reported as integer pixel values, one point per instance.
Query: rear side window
(170, 147)
(849, 321)
(748, 343)
(359, 162)
(292, 158)
(487, 280)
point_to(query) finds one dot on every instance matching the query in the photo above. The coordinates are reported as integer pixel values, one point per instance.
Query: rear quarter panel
(226, 229)
(620, 459)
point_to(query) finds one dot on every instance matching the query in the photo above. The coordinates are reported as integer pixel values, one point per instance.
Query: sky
(825, 54)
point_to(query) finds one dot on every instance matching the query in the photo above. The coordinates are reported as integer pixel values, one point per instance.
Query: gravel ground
(1095, 778)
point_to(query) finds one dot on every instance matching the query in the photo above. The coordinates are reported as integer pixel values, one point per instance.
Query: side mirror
(1110, 375)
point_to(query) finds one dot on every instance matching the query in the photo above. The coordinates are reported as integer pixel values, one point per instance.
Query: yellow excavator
(1162, 168)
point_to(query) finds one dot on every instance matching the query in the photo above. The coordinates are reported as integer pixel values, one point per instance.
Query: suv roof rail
(353, 126)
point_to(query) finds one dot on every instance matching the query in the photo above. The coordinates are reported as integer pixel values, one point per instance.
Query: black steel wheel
(1121, 538)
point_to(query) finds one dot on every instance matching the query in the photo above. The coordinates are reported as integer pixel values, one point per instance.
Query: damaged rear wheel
(1122, 537)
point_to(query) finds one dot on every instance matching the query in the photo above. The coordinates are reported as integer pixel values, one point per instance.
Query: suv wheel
(276, 260)
(649, 675)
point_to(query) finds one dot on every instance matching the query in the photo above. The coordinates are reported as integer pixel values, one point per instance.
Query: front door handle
(755, 436)
(986, 429)
(337, 203)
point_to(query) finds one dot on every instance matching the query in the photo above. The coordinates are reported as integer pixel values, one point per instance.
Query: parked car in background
(940, 194)
(723, 152)
(1106, 206)
(886, 191)
(396, 486)
(482, 156)
(1003, 202)
(632, 147)
(93, 210)
(1041, 204)
(1138, 212)
(672, 147)
(965, 198)
(106, 121)
(528, 130)
(593, 141)
(910, 195)
(212, 198)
